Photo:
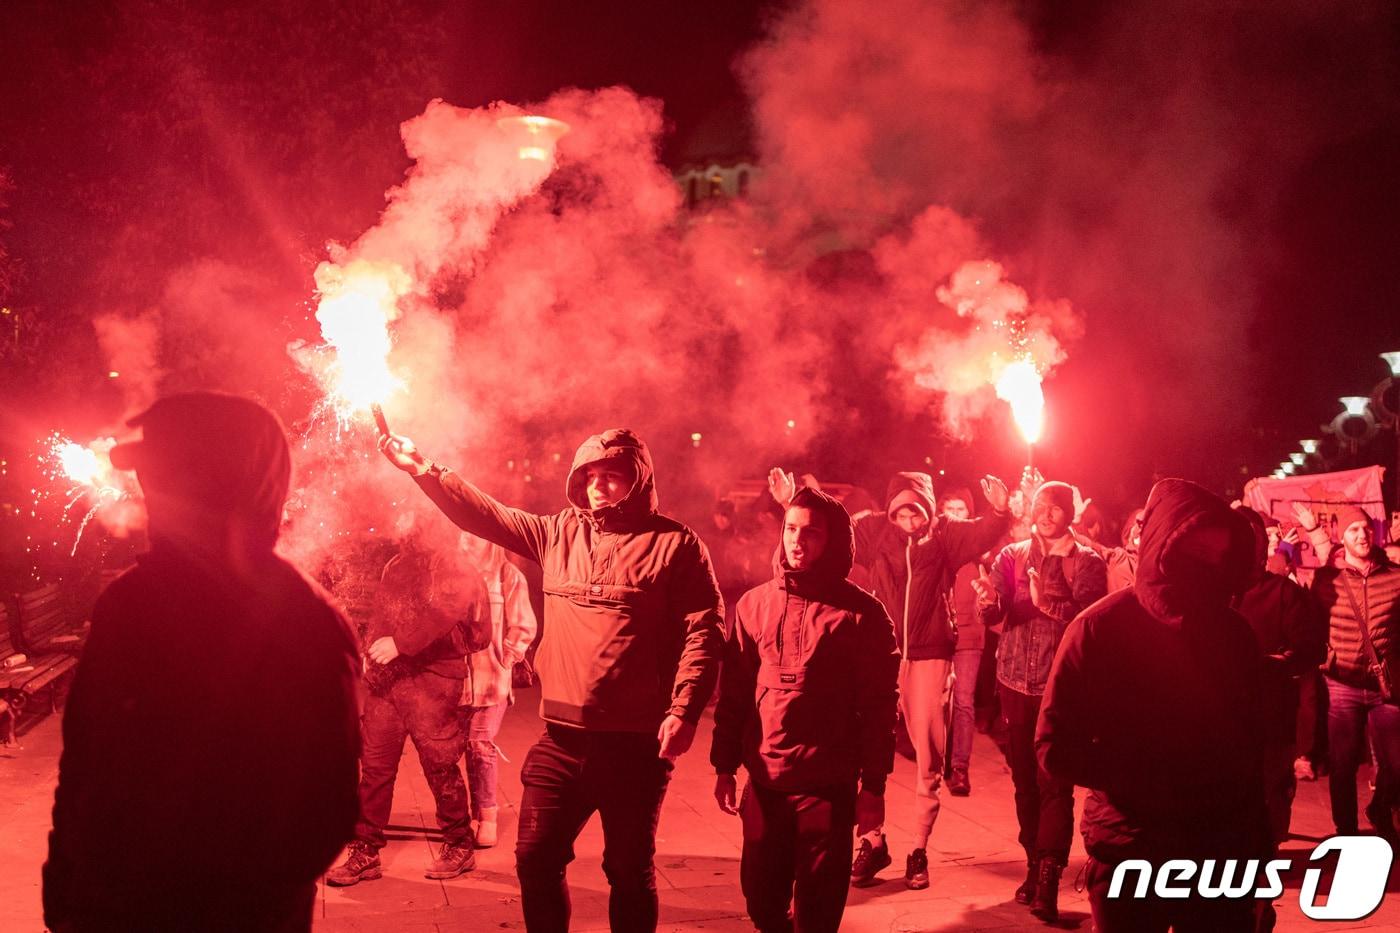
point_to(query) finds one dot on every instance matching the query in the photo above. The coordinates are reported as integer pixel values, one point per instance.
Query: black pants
(567, 776)
(1155, 915)
(424, 708)
(797, 850)
(1044, 804)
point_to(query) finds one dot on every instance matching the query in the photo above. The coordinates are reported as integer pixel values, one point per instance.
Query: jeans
(567, 776)
(1351, 712)
(966, 661)
(480, 724)
(422, 707)
(797, 853)
(1044, 804)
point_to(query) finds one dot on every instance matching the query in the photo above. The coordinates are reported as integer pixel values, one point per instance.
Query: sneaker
(361, 864)
(916, 870)
(870, 861)
(452, 860)
(958, 783)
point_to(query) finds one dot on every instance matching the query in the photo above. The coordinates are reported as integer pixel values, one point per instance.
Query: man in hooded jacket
(633, 634)
(1153, 704)
(212, 730)
(911, 557)
(807, 706)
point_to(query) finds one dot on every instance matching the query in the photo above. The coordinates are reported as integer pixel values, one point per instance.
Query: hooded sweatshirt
(810, 684)
(633, 621)
(1154, 699)
(212, 728)
(914, 576)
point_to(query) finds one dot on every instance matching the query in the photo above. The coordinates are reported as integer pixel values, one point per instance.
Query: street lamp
(1287, 467)
(1297, 458)
(1309, 446)
(1354, 404)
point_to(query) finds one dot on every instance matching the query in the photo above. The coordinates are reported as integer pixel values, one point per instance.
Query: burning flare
(1019, 386)
(358, 302)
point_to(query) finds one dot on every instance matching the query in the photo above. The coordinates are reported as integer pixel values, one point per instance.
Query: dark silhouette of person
(211, 736)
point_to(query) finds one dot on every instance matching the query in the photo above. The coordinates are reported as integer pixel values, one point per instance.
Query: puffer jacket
(913, 577)
(633, 621)
(1154, 700)
(810, 682)
(1377, 595)
(1030, 635)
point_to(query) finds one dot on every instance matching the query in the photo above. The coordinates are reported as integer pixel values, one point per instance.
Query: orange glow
(78, 463)
(1019, 386)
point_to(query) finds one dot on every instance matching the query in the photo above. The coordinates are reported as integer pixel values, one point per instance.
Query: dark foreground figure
(1154, 704)
(210, 740)
(807, 706)
(632, 638)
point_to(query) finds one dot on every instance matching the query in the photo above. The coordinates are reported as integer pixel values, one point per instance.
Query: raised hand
(1305, 516)
(982, 586)
(995, 492)
(781, 486)
(403, 453)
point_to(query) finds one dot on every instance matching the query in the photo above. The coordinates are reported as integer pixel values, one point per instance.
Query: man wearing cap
(211, 736)
(1035, 588)
(633, 635)
(911, 556)
(1361, 594)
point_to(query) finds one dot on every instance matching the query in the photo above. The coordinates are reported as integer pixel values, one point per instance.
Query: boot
(1026, 892)
(361, 864)
(1046, 903)
(452, 860)
(486, 829)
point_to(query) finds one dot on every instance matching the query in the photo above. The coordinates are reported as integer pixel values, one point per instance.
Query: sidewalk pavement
(974, 860)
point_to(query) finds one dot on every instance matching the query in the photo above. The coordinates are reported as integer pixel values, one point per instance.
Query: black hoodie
(810, 681)
(1154, 699)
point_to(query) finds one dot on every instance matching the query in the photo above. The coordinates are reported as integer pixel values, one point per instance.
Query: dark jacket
(1069, 584)
(913, 577)
(633, 621)
(1154, 700)
(1377, 595)
(431, 604)
(211, 732)
(810, 683)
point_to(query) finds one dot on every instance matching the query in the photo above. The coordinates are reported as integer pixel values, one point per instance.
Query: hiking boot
(486, 831)
(452, 860)
(958, 783)
(361, 864)
(1046, 903)
(1026, 892)
(870, 861)
(916, 870)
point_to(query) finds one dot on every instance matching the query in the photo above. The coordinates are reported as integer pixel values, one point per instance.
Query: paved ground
(975, 862)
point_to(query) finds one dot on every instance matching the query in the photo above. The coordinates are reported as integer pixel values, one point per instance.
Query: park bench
(38, 648)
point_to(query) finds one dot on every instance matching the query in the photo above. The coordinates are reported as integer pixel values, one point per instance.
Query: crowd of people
(1184, 677)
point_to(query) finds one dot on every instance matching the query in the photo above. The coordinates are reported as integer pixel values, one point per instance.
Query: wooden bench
(9, 654)
(47, 623)
(41, 628)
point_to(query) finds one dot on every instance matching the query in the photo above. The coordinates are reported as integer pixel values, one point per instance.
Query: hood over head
(1258, 528)
(838, 558)
(211, 464)
(1169, 584)
(622, 446)
(914, 489)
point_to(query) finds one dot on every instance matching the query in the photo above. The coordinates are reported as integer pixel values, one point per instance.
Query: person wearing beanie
(807, 706)
(911, 556)
(632, 639)
(1361, 594)
(211, 732)
(1035, 588)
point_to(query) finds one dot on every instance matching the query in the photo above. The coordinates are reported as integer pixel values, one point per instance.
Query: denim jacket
(1030, 635)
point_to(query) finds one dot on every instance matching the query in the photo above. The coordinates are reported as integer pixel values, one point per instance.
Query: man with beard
(807, 706)
(1034, 589)
(1153, 703)
(1361, 595)
(633, 634)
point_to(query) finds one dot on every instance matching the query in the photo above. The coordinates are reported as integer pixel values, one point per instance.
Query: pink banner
(1324, 493)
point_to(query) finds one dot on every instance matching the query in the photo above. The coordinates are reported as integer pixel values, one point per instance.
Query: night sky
(138, 137)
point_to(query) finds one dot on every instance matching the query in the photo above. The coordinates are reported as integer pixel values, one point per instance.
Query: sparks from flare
(358, 303)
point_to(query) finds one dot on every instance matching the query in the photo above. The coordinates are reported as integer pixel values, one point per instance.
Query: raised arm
(468, 507)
